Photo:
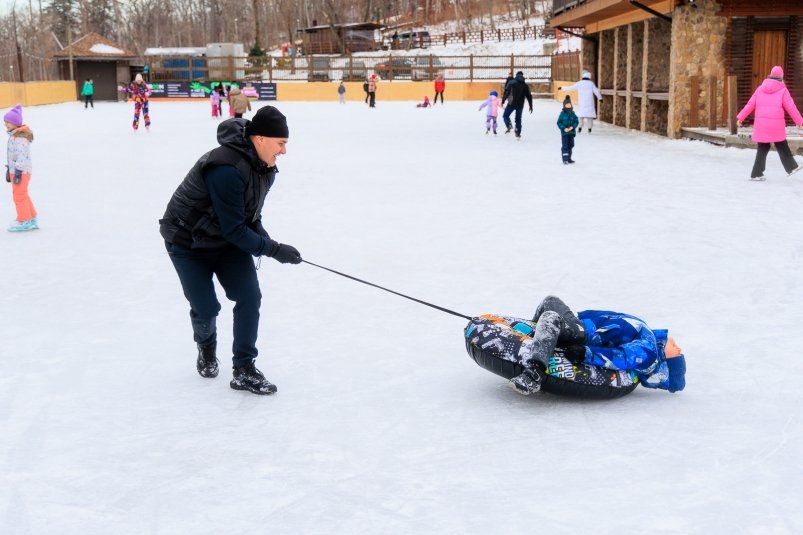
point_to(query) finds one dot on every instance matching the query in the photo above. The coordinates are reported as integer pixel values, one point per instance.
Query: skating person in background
(425, 104)
(373, 81)
(586, 91)
(18, 169)
(440, 87)
(492, 104)
(769, 102)
(213, 226)
(222, 94)
(87, 92)
(238, 102)
(516, 92)
(228, 100)
(567, 123)
(214, 100)
(140, 92)
(365, 86)
(341, 93)
(601, 338)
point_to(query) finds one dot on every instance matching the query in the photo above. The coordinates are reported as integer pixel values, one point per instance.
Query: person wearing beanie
(140, 92)
(515, 93)
(373, 83)
(492, 111)
(213, 226)
(586, 108)
(567, 123)
(18, 169)
(602, 338)
(771, 102)
(87, 92)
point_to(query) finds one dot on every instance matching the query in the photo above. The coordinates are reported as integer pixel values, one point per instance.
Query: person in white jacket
(586, 91)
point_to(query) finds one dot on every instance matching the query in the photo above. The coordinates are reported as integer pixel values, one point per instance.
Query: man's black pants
(235, 271)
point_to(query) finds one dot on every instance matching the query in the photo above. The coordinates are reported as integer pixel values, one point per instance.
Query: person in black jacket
(213, 226)
(515, 93)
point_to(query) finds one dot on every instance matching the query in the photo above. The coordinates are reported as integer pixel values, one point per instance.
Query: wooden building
(664, 64)
(340, 38)
(99, 59)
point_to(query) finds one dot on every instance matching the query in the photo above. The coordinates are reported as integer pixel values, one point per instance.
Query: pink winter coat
(770, 101)
(493, 106)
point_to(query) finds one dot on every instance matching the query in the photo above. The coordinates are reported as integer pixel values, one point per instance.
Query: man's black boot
(207, 364)
(249, 378)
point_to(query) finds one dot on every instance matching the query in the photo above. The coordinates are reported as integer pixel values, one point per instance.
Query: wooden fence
(537, 68)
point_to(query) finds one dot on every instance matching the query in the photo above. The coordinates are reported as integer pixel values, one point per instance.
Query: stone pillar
(698, 48)
(635, 52)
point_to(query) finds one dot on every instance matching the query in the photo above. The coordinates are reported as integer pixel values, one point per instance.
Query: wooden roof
(93, 46)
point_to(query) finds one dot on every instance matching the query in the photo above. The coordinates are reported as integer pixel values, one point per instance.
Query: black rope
(452, 312)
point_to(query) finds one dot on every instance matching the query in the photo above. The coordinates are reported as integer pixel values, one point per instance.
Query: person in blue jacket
(602, 338)
(213, 226)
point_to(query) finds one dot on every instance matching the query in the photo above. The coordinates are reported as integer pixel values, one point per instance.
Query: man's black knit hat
(268, 122)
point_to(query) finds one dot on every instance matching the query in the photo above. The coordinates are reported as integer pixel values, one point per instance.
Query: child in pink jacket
(493, 104)
(770, 102)
(214, 100)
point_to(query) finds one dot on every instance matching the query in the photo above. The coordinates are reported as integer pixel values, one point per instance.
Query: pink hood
(493, 106)
(770, 102)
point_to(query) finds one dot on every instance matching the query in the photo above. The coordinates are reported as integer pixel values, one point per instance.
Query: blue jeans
(508, 111)
(237, 275)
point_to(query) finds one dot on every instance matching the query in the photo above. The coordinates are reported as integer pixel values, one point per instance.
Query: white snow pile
(101, 48)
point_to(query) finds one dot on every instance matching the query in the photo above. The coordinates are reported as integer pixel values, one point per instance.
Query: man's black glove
(286, 254)
(8, 177)
(531, 109)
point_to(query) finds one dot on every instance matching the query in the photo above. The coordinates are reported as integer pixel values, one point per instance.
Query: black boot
(207, 364)
(529, 382)
(251, 379)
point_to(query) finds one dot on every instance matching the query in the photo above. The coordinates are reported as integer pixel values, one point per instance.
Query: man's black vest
(190, 219)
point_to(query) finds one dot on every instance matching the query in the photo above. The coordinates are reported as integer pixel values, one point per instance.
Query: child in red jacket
(440, 86)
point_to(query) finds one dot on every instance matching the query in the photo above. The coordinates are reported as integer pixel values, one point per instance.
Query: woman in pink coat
(770, 101)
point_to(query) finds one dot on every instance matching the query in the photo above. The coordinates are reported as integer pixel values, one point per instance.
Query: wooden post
(499, 35)
(712, 102)
(464, 36)
(270, 69)
(482, 36)
(732, 103)
(351, 67)
(694, 106)
(471, 67)
(512, 64)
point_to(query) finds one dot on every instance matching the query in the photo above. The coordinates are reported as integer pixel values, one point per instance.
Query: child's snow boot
(529, 382)
(249, 378)
(22, 226)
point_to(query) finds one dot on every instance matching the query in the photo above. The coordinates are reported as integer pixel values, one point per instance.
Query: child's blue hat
(494, 94)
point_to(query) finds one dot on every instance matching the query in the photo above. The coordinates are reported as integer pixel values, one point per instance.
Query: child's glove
(17, 176)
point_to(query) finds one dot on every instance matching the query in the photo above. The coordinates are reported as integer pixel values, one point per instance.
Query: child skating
(141, 93)
(214, 100)
(567, 122)
(492, 112)
(18, 170)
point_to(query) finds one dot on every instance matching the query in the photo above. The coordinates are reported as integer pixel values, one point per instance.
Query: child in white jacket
(18, 169)
(586, 91)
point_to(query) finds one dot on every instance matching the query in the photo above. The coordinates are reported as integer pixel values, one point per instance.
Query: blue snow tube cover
(499, 343)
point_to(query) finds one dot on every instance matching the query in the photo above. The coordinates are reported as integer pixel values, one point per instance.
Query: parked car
(395, 68)
(421, 71)
(358, 72)
(415, 39)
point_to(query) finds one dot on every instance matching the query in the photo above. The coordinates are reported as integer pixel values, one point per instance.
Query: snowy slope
(382, 423)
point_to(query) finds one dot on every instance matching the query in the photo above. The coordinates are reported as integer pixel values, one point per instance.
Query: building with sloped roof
(99, 59)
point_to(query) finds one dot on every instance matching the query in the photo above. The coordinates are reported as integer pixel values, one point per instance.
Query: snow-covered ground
(382, 423)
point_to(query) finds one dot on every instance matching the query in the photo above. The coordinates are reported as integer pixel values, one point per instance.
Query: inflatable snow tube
(498, 343)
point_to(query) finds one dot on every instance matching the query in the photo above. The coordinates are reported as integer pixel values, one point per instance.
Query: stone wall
(697, 49)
